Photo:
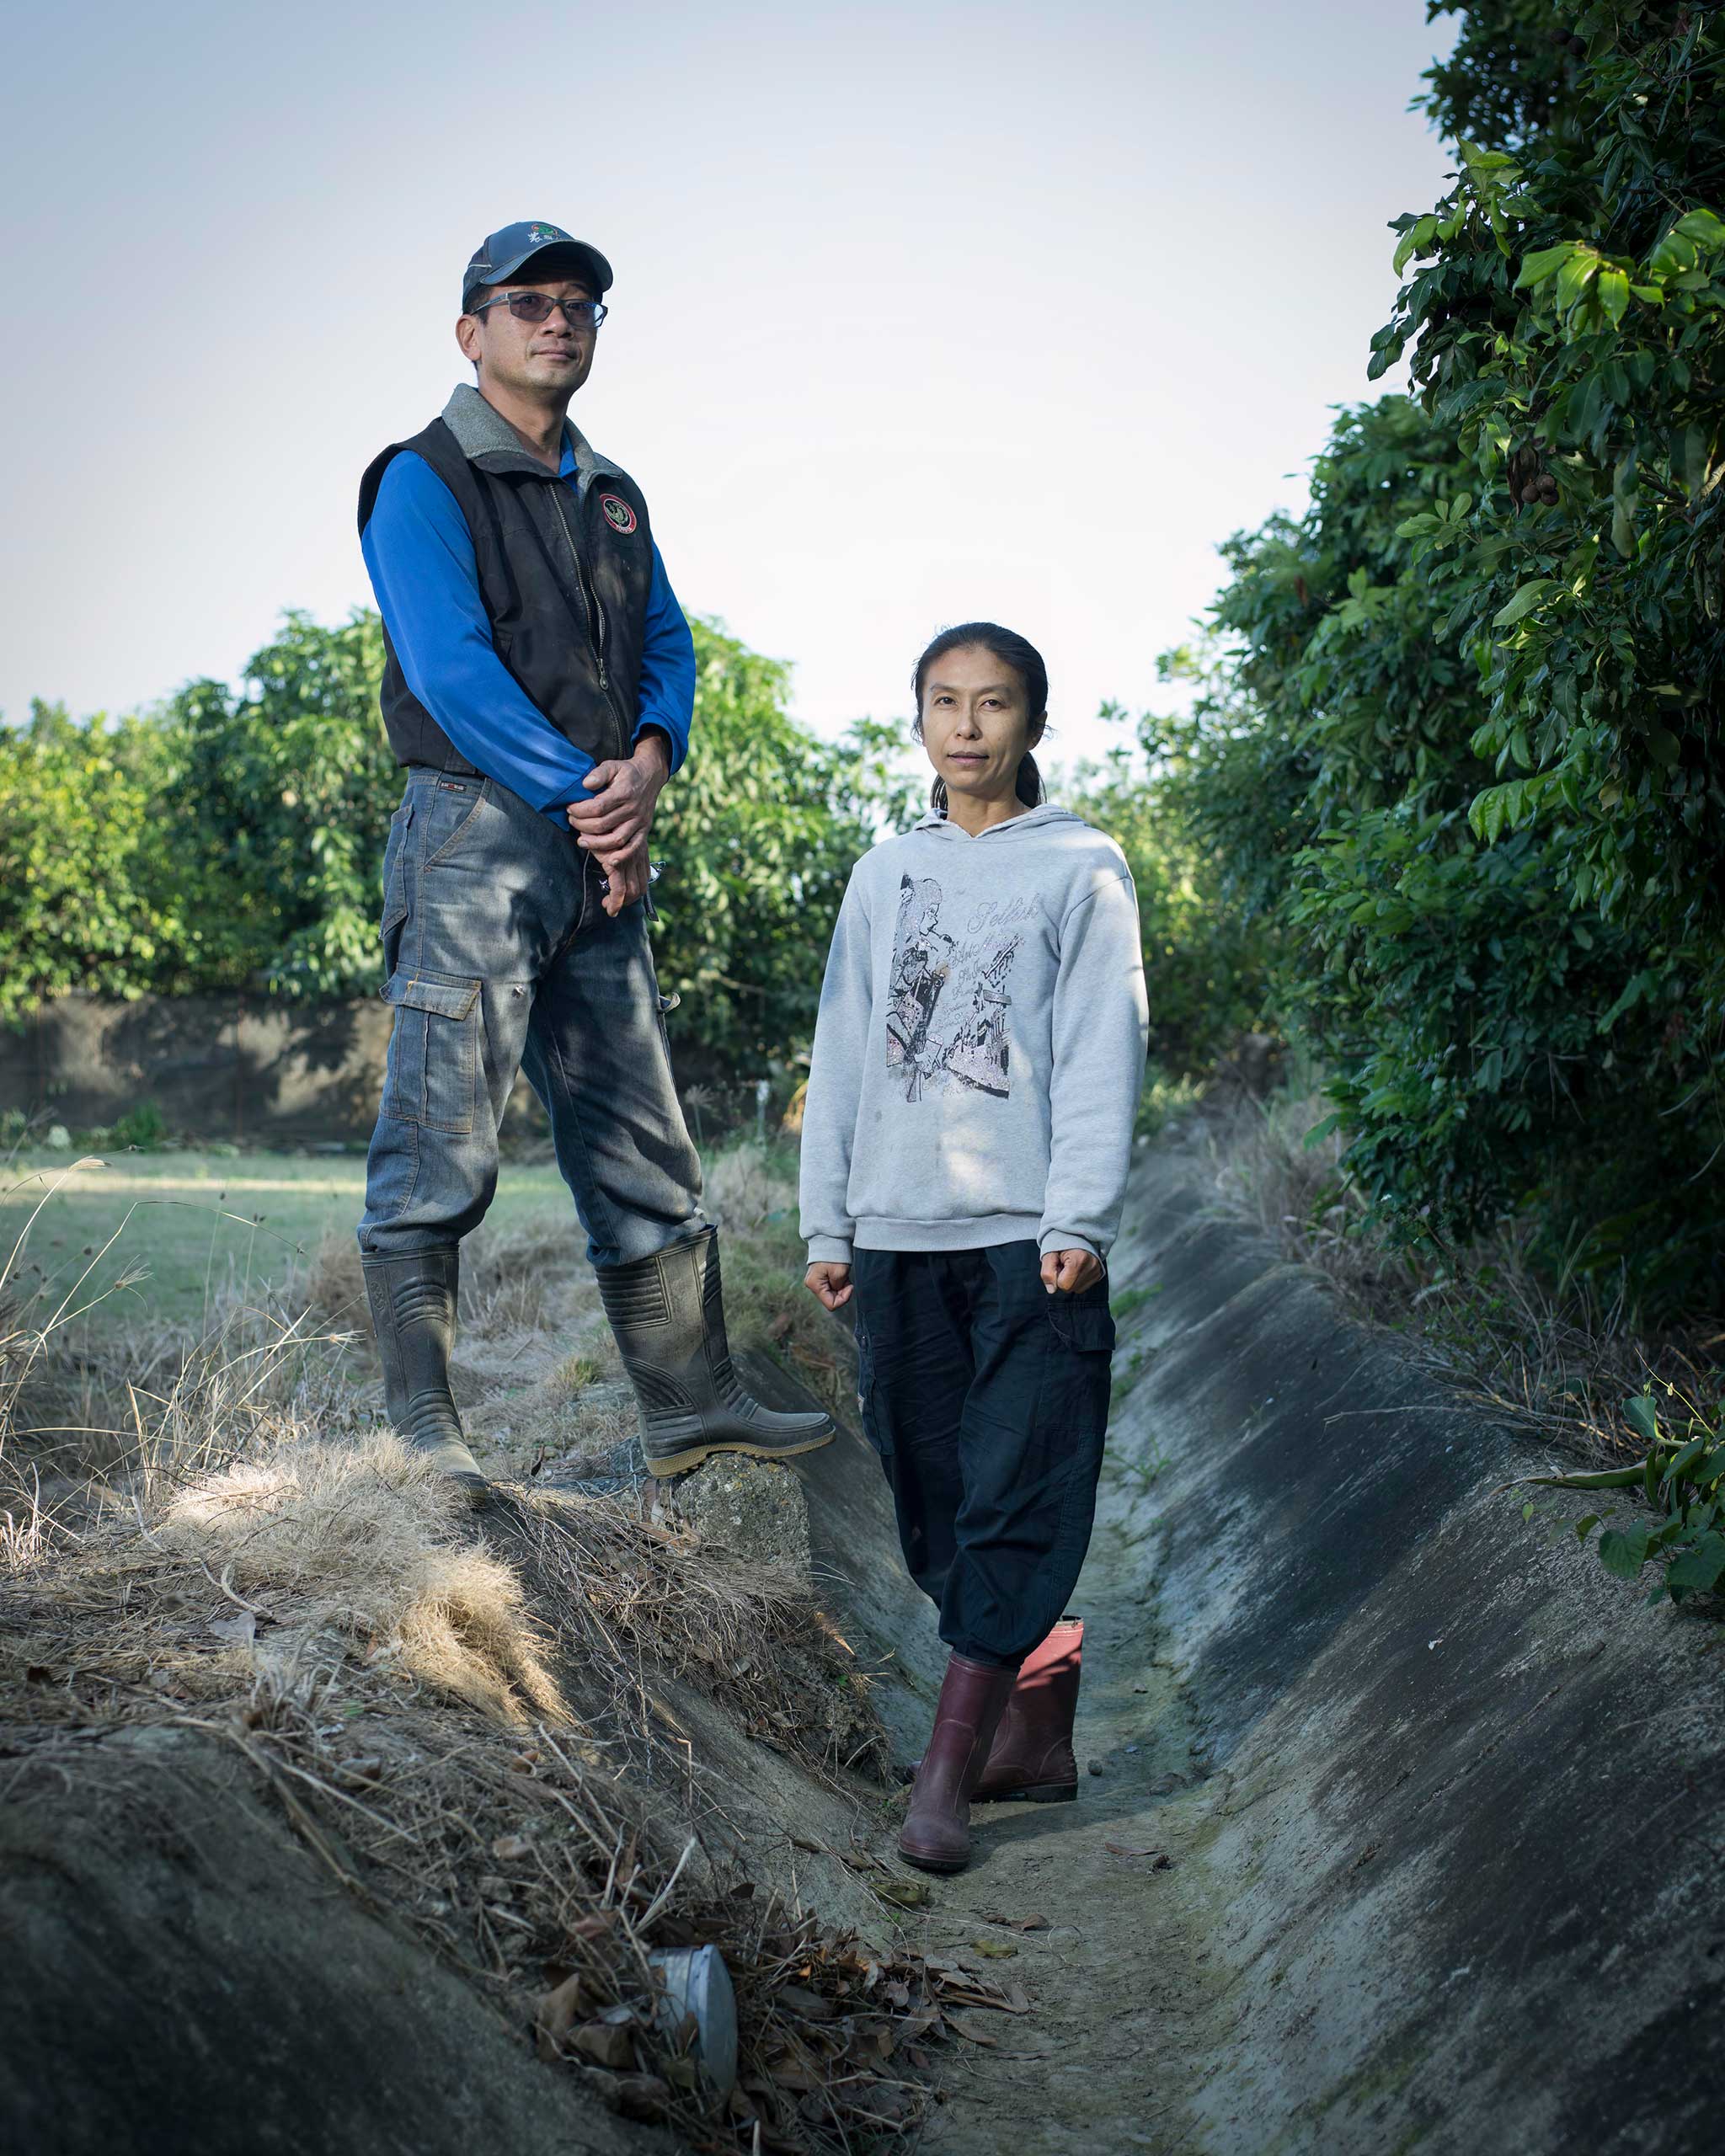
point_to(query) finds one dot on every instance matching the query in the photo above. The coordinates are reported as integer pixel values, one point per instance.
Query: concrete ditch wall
(1466, 1836)
(236, 1069)
(258, 1070)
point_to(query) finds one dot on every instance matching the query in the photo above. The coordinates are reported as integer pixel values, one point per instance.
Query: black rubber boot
(668, 1313)
(413, 1315)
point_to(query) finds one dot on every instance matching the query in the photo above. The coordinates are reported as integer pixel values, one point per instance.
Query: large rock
(751, 1509)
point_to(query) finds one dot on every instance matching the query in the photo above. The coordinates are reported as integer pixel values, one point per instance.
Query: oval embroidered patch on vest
(617, 512)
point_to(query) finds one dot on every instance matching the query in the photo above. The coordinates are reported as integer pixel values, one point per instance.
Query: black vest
(564, 582)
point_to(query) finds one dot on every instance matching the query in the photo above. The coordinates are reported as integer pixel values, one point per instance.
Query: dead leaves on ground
(836, 2038)
(903, 1893)
(1161, 1862)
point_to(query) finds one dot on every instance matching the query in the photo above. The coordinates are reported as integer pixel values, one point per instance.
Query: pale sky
(921, 313)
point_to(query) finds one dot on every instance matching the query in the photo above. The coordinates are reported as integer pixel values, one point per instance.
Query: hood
(486, 438)
(1031, 822)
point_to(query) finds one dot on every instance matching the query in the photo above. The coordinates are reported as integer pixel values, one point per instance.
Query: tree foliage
(88, 900)
(1207, 965)
(757, 837)
(233, 839)
(1458, 741)
(1568, 325)
(281, 799)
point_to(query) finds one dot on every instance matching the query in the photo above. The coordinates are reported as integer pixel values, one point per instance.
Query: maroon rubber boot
(1032, 1760)
(937, 1831)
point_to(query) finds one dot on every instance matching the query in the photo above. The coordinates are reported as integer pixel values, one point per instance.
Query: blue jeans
(499, 957)
(987, 1400)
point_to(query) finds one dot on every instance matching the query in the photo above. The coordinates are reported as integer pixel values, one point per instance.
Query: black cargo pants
(987, 1400)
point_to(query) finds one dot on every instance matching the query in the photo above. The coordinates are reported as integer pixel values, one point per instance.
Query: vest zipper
(595, 624)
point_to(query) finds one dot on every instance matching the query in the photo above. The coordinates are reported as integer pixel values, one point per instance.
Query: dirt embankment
(1399, 1829)
(285, 1731)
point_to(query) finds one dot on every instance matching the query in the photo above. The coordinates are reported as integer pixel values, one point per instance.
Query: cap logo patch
(545, 233)
(618, 514)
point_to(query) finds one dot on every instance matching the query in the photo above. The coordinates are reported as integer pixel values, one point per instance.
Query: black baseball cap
(551, 251)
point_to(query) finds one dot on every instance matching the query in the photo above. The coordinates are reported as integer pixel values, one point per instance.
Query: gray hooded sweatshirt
(980, 1045)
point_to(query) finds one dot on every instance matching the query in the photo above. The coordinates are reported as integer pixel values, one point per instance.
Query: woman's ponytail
(1027, 786)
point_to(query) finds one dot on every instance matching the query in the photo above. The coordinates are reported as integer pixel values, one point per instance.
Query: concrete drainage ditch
(1404, 1828)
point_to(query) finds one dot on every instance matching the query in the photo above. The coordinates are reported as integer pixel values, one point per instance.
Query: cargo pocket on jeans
(434, 1050)
(396, 909)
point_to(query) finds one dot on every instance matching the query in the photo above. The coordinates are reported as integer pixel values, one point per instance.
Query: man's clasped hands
(613, 826)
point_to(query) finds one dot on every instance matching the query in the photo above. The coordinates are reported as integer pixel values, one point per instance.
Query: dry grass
(249, 1455)
(473, 1725)
(309, 1561)
(1551, 1359)
(1266, 1168)
(334, 1284)
(747, 1185)
(481, 1743)
(359, 1540)
(626, 1594)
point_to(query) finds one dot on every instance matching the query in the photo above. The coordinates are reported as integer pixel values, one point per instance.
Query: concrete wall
(259, 1071)
(1466, 1790)
(226, 1067)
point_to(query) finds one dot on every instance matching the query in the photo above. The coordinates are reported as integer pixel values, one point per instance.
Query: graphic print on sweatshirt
(947, 998)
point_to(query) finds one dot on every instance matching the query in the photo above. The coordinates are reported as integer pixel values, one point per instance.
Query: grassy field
(164, 1232)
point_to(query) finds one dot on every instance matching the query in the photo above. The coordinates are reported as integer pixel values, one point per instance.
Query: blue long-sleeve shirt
(421, 556)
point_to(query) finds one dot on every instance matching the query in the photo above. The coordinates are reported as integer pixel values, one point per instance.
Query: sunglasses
(539, 307)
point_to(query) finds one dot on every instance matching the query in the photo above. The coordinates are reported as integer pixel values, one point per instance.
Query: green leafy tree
(233, 839)
(1461, 746)
(1569, 323)
(757, 836)
(1206, 963)
(86, 904)
(1565, 317)
(280, 801)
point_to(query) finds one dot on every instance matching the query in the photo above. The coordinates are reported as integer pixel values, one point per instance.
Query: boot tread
(679, 1463)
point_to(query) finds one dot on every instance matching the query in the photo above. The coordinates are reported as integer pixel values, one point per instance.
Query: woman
(966, 1137)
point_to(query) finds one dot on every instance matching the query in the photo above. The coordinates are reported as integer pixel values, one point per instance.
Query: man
(539, 687)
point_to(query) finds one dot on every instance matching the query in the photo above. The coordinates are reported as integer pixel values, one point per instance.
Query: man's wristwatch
(654, 873)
